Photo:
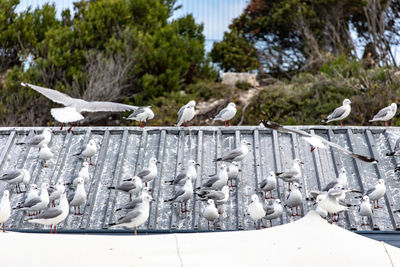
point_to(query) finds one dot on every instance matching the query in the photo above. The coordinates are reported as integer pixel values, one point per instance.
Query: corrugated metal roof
(125, 150)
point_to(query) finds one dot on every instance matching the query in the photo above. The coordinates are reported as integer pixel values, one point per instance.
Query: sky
(216, 15)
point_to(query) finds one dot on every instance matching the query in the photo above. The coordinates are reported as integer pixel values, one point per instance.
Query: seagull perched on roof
(133, 186)
(226, 114)
(137, 216)
(38, 203)
(87, 151)
(142, 114)
(376, 192)
(365, 209)
(75, 106)
(5, 208)
(39, 139)
(294, 199)
(150, 172)
(273, 210)
(293, 174)
(190, 169)
(236, 154)
(216, 181)
(53, 216)
(219, 196)
(210, 213)
(233, 172)
(256, 209)
(385, 114)
(45, 154)
(184, 194)
(329, 201)
(340, 113)
(186, 113)
(16, 177)
(268, 184)
(316, 140)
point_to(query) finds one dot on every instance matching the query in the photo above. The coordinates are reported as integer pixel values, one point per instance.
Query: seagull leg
(135, 230)
(386, 123)
(90, 161)
(51, 228)
(70, 128)
(208, 223)
(62, 126)
(4, 227)
(55, 229)
(141, 125)
(225, 123)
(229, 122)
(341, 123)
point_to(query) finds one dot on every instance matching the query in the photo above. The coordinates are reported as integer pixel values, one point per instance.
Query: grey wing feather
(180, 177)
(49, 213)
(210, 182)
(329, 186)
(222, 112)
(348, 152)
(126, 186)
(143, 173)
(216, 195)
(178, 194)
(53, 95)
(94, 106)
(9, 175)
(180, 113)
(269, 210)
(136, 112)
(36, 140)
(31, 203)
(337, 113)
(232, 154)
(130, 216)
(70, 196)
(382, 113)
(132, 204)
(263, 183)
(397, 145)
(369, 191)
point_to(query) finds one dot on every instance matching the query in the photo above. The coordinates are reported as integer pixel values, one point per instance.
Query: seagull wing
(231, 155)
(136, 112)
(337, 113)
(221, 114)
(130, 216)
(180, 113)
(49, 213)
(143, 173)
(53, 95)
(95, 106)
(348, 152)
(382, 113)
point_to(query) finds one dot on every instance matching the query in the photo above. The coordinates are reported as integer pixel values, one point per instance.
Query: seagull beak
(197, 164)
(158, 161)
(302, 163)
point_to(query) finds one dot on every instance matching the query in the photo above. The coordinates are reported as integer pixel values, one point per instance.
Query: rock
(231, 78)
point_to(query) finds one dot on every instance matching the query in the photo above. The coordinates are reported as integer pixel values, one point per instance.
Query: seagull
(142, 114)
(396, 149)
(83, 173)
(293, 174)
(45, 154)
(226, 114)
(32, 193)
(87, 151)
(186, 113)
(53, 216)
(233, 172)
(341, 180)
(184, 194)
(219, 196)
(37, 204)
(189, 170)
(78, 198)
(385, 114)
(210, 213)
(57, 191)
(149, 173)
(137, 216)
(134, 202)
(365, 209)
(340, 113)
(256, 209)
(316, 140)
(16, 177)
(75, 106)
(236, 154)
(5, 209)
(294, 199)
(329, 201)
(268, 184)
(377, 192)
(39, 139)
(133, 186)
(273, 210)
(216, 181)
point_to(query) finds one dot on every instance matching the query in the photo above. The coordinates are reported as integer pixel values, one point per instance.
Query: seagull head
(85, 164)
(381, 181)
(346, 101)
(245, 143)
(234, 163)
(393, 106)
(298, 161)
(296, 185)
(272, 173)
(277, 201)
(44, 186)
(232, 105)
(191, 103)
(6, 193)
(153, 160)
(342, 170)
(254, 198)
(33, 187)
(81, 181)
(210, 202)
(148, 198)
(223, 166)
(365, 198)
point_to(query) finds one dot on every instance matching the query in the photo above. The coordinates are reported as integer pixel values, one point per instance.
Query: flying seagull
(75, 106)
(385, 114)
(316, 140)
